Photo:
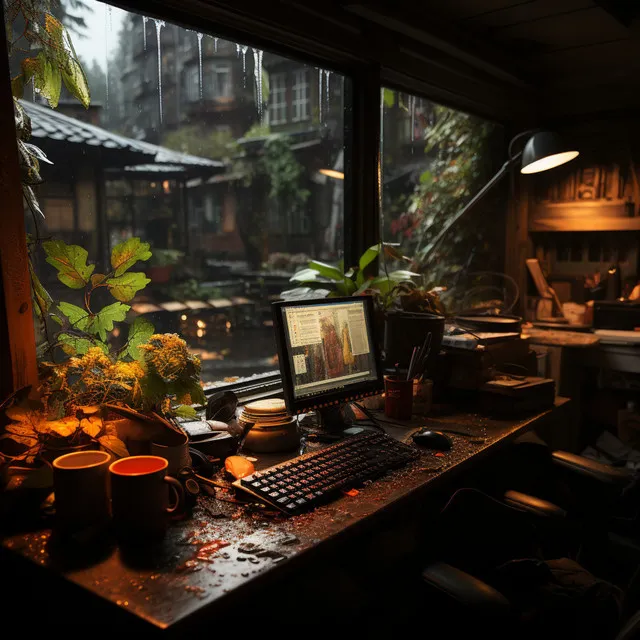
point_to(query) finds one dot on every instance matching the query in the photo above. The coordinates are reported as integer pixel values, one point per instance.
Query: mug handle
(178, 490)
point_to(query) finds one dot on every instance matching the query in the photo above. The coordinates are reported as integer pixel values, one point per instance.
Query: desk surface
(169, 585)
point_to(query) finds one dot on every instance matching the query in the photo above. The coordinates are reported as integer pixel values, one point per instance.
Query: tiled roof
(50, 124)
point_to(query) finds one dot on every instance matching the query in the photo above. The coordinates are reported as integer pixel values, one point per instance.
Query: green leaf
(114, 445)
(326, 270)
(363, 287)
(97, 324)
(103, 321)
(369, 255)
(32, 201)
(389, 97)
(382, 284)
(78, 317)
(76, 81)
(185, 411)
(98, 278)
(127, 253)
(71, 262)
(401, 275)
(305, 275)
(139, 333)
(77, 345)
(41, 295)
(125, 287)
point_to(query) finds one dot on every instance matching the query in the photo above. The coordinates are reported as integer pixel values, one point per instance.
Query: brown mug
(398, 397)
(140, 490)
(80, 483)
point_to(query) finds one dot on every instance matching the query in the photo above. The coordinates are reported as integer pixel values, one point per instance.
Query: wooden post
(17, 336)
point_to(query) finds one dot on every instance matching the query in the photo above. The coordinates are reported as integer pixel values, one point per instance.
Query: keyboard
(305, 482)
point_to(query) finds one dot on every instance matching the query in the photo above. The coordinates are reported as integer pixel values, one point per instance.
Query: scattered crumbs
(192, 589)
(190, 566)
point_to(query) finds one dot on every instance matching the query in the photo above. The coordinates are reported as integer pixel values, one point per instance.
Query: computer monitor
(328, 354)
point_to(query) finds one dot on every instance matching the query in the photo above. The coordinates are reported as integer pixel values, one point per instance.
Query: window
(192, 83)
(228, 223)
(435, 159)
(278, 98)
(300, 101)
(217, 83)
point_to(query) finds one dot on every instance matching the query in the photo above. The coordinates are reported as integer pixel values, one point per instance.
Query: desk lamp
(543, 150)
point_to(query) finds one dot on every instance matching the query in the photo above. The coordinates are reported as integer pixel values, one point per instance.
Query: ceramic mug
(140, 490)
(174, 448)
(80, 482)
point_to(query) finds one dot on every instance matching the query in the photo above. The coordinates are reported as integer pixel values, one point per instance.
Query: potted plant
(162, 263)
(406, 311)
(152, 375)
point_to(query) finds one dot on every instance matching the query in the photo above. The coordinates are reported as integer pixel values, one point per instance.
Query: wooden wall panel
(17, 337)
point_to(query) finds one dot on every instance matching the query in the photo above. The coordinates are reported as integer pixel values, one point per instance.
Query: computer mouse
(432, 440)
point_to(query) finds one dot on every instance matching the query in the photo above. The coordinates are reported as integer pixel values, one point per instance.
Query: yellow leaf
(114, 445)
(64, 427)
(89, 410)
(91, 426)
(21, 429)
(19, 414)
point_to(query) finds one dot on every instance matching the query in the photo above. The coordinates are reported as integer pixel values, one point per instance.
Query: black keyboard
(305, 482)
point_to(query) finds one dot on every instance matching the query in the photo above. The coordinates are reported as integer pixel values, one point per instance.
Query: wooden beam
(17, 336)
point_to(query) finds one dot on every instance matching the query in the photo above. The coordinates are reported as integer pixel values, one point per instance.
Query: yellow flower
(167, 355)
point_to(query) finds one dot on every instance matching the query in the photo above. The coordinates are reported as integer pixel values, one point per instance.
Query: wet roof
(52, 125)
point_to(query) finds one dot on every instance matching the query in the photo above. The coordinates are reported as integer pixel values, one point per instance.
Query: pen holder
(398, 403)
(422, 396)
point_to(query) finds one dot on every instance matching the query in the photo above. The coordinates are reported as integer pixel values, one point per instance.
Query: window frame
(292, 30)
(297, 102)
(274, 105)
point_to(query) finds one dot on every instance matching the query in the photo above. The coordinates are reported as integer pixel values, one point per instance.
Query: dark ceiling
(579, 55)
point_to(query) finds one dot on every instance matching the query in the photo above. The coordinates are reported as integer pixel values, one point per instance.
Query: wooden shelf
(586, 223)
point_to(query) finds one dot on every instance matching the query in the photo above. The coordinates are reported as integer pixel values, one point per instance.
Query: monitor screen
(329, 348)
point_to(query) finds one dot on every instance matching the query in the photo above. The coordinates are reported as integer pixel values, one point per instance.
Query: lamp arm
(517, 137)
(472, 203)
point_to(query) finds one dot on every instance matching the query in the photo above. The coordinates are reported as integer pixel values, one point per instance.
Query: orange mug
(140, 490)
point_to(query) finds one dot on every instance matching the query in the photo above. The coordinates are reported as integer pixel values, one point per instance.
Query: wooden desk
(168, 589)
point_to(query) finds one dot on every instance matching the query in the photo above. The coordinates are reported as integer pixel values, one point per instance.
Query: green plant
(394, 288)
(193, 289)
(55, 63)
(166, 257)
(458, 145)
(96, 373)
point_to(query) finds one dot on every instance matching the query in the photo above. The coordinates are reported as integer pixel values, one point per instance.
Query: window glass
(278, 102)
(434, 160)
(178, 148)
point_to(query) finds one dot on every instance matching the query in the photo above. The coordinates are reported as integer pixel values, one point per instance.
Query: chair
(509, 545)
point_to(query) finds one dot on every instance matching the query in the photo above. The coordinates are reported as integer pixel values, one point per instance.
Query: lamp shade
(545, 150)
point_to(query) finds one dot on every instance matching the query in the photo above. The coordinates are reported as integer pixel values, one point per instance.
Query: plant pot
(403, 331)
(159, 273)
(136, 435)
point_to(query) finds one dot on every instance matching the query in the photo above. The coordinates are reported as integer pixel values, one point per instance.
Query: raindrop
(320, 94)
(199, 36)
(159, 25)
(107, 27)
(412, 111)
(244, 49)
(257, 72)
(215, 44)
(237, 49)
(144, 31)
(327, 74)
